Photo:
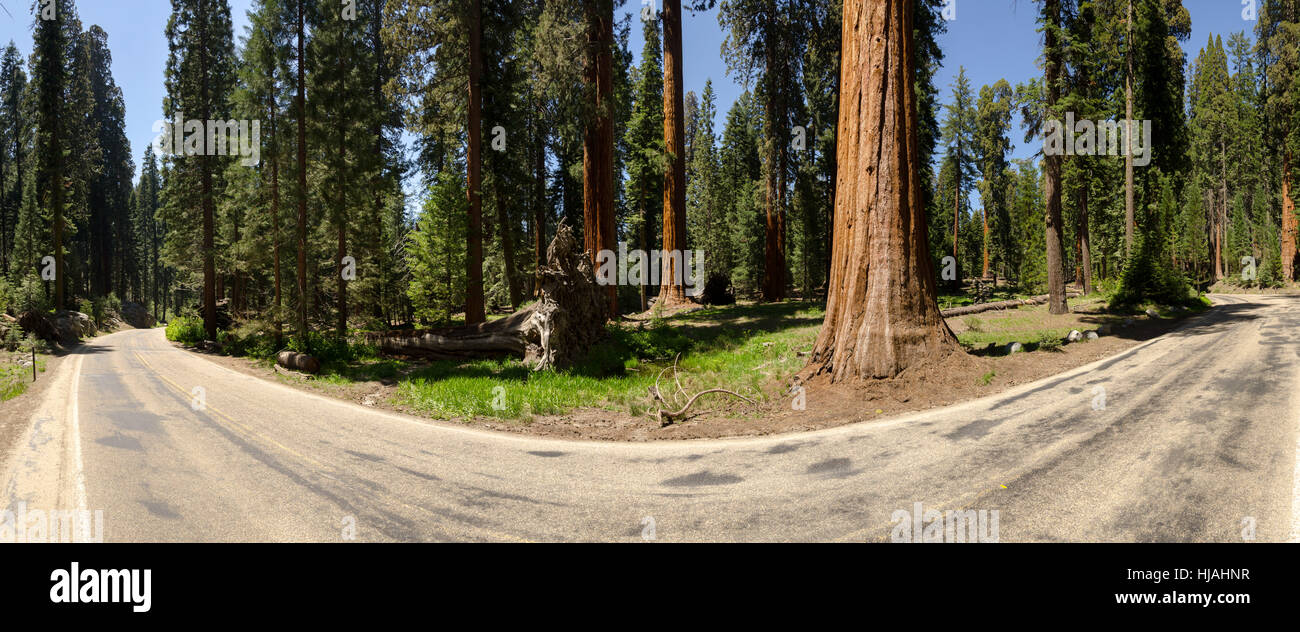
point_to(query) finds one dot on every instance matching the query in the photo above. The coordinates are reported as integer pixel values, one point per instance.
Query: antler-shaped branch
(667, 417)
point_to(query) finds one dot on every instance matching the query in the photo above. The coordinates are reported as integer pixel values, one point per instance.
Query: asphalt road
(1188, 437)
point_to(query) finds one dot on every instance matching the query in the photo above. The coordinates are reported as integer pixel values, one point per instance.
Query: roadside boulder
(1014, 347)
(73, 326)
(1092, 335)
(135, 315)
(1151, 313)
(39, 325)
(1075, 336)
(298, 362)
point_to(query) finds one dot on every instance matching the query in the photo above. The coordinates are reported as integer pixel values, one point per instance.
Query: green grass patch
(15, 378)
(739, 347)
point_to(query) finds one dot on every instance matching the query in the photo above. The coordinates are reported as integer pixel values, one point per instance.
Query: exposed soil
(958, 378)
(16, 414)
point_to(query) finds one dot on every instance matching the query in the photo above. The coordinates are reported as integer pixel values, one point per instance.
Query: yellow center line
(209, 407)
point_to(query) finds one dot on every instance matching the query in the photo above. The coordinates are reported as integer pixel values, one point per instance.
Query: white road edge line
(78, 473)
(691, 444)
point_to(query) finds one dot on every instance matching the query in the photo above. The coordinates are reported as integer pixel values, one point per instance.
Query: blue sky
(993, 39)
(998, 39)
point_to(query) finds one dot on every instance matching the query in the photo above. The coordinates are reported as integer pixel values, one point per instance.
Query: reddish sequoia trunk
(774, 229)
(474, 312)
(1289, 224)
(881, 312)
(672, 290)
(598, 141)
(1052, 186)
(1130, 220)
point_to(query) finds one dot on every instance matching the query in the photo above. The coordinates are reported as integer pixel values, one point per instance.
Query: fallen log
(298, 362)
(999, 305)
(501, 337)
(556, 331)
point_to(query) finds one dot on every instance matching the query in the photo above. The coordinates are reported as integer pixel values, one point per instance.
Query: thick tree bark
(598, 141)
(302, 177)
(1289, 223)
(1129, 219)
(539, 202)
(555, 331)
(774, 227)
(474, 312)
(1052, 185)
(342, 214)
(881, 314)
(672, 289)
(206, 201)
(275, 226)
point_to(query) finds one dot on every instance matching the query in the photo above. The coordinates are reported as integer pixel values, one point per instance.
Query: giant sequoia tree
(881, 314)
(763, 41)
(1278, 35)
(598, 229)
(672, 290)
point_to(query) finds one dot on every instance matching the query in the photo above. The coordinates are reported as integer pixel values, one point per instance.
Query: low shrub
(185, 330)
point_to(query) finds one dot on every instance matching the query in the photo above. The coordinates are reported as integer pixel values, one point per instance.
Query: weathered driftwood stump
(556, 331)
(298, 362)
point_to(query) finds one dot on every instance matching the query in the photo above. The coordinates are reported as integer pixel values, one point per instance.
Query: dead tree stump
(555, 332)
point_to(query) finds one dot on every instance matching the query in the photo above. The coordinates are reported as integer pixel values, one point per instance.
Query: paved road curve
(1197, 439)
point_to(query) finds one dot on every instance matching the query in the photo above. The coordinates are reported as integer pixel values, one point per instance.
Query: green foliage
(719, 353)
(253, 339)
(32, 343)
(185, 330)
(1048, 342)
(30, 296)
(435, 252)
(1148, 277)
(13, 339)
(331, 349)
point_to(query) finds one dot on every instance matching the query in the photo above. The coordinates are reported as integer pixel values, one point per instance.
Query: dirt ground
(16, 414)
(958, 378)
